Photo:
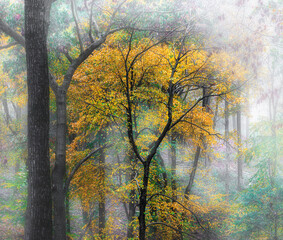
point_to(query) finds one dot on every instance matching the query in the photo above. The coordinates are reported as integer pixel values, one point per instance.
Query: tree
(39, 208)
(60, 91)
(137, 68)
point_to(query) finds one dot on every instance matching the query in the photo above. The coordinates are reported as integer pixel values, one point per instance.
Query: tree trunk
(143, 201)
(193, 173)
(205, 104)
(226, 113)
(68, 216)
(38, 223)
(240, 161)
(173, 157)
(234, 121)
(102, 210)
(215, 114)
(59, 171)
(132, 203)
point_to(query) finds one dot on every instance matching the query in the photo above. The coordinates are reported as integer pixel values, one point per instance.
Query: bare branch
(114, 15)
(67, 55)
(90, 23)
(79, 60)
(75, 16)
(12, 33)
(203, 129)
(95, 25)
(196, 103)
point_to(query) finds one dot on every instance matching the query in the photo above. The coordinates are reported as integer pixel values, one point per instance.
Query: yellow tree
(130, 70)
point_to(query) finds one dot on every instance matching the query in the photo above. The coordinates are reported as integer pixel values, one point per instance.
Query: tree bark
(68, 214)
(102, 198)
(59, 171)
(173, 157)
(143, 201)
(132, 203)
(39, 205)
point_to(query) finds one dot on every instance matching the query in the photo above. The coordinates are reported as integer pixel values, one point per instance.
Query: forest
(141, 119)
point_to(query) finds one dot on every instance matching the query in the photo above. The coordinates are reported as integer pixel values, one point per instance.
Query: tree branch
(12, 33)
(75, 16)
(80, 163)
(53, 84)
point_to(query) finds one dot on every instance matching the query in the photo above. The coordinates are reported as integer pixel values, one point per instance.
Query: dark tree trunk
(68, 215)
(205, 104)
(102, 210)
(215, 114)
(173, 157)
(193, 173)
(132, 203)
(39, 204)
(162, 164)
(143, 201)
(59, 171)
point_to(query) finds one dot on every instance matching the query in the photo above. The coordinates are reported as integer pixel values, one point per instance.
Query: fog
(165, 120)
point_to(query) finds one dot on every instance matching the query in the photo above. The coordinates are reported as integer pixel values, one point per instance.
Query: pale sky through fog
(232, 20)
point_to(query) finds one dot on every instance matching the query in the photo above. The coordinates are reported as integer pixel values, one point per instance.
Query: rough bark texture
(38, 213)
(59, 171)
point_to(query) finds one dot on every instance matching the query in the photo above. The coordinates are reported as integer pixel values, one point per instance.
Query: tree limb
(80, 163)
(12, 33)
(75, 16)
